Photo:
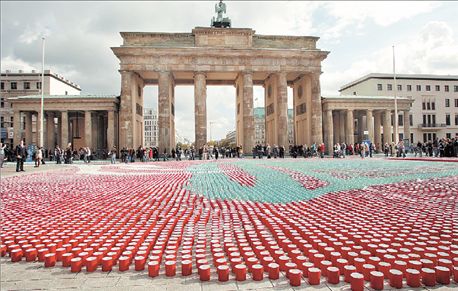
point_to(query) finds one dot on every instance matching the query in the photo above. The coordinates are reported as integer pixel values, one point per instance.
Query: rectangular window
(428, 87)
(456, 102)
(411, 137)
(428, 106)
(447, 102)
(425, 137)
(1, 122)
(447, 119)
(434, 119)
(446, 88)
(26, 85)
(455, 88)
(456, 119)
(389, 87)
(13, 85)
(411, 120)
(400, 120)
(418, 87)
(3, 86)
(379, 87)
(409, 87)
(423, 105)
(399, 87)
(448, 135)
(433, 105)
(38, 85)
(438, 88)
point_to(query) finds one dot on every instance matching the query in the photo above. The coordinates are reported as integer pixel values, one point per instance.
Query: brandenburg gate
(221, 56)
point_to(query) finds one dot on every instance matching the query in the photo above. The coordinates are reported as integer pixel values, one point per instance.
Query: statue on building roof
(220, 21)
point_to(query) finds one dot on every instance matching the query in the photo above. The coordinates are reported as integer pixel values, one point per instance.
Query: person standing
(2, 154)
(113, 155)
(38, 157)
(21, 156)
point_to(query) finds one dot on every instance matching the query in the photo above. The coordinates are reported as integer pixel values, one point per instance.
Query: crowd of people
(444, 147)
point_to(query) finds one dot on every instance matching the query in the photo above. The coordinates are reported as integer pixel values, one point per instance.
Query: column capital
(200, 73)
(369, 110)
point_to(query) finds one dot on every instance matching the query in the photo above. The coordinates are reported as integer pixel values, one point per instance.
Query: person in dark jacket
(21, 156)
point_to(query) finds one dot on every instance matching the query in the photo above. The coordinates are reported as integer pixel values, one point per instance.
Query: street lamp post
(40, 144)
(395, 126)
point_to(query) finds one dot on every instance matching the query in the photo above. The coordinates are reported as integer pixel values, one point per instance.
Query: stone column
(126, 110)
(378, 131)
(248, 114)
(406, 124)
(317, 124)
(387, 127)
(50, 130)
(342, 135)
(350, 127)
(17, 128)
(88, 128)
(282, 110)
(200, 109)
(370, 124)
(336, 126)
(39, 129)
(64, 129)
(28, 127)
(329, 131)
(110, 130)
(164, 114)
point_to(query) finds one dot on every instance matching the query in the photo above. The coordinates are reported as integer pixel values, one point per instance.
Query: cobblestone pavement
(293, 209)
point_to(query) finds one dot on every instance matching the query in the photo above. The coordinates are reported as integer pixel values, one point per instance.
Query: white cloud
(433, 50)
(352, 16)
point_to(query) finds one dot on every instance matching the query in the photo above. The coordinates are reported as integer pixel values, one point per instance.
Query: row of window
(13, 85)
(432, 136)
(428, 88)
(431, 105)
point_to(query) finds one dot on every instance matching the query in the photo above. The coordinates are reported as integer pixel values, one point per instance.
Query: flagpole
(395, 126)
(42, 90)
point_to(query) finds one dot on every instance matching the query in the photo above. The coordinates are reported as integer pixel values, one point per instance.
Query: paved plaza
(139, 226)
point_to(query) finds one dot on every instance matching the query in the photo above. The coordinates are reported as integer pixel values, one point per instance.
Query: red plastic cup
(442, 275)
(223, 273)
(124, 263)
(186, 267)
(428, 277)
(50, 260)
(31, 255)
(91, 264)
(257, 271)
(396, 278)
(107, 264)
(357, 281)
(240, 272)
(170, 268)
(76, 264)
(314, 276)
(153, 268)
(333, 275)
(413, 278)
(274, 271)
(16, 255)
(204, 273)
(367, 269)
(295, 276)
(348, 270)
(140, 262)
(377, 280)
(67, 259)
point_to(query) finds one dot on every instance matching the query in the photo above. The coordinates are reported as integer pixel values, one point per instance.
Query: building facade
(221, 56)
(151, 129)
(21, 83)
(80, 120)
(434, 112)
(260, 126)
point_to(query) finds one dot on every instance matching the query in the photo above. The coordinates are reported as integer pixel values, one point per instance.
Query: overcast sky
(359, 36)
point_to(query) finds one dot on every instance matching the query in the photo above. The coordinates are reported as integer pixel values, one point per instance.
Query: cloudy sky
(359, 36)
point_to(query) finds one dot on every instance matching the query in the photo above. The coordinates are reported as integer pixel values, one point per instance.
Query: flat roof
(363, 97)
(85, 96)
(400, 77)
